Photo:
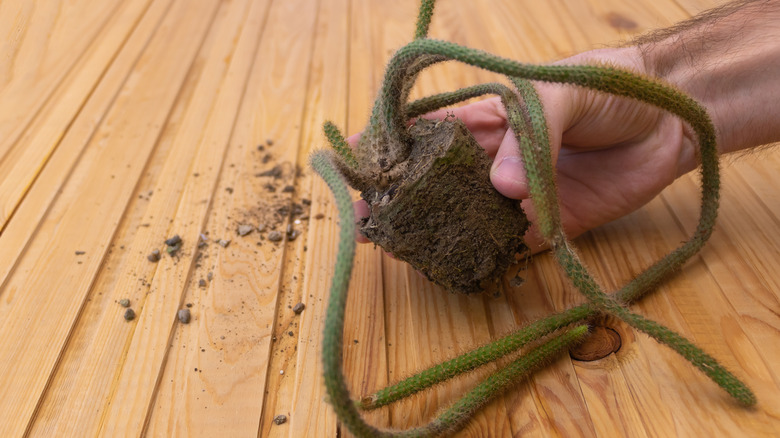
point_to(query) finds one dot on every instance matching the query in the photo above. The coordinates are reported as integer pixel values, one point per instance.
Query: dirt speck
(154, 256)
(184, 316)
(275, 236)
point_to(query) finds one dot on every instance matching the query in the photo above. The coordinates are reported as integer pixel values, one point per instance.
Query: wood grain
(83, 219)
(43, 42)
(123, 123)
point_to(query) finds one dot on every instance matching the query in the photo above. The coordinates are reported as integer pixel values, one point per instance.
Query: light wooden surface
(123, 123)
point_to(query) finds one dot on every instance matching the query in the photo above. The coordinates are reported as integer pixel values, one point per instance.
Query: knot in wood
(601, 342)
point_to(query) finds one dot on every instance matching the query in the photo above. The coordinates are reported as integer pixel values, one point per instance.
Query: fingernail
(508, 175)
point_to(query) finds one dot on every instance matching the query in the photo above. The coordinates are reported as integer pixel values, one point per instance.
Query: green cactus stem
(388, 149)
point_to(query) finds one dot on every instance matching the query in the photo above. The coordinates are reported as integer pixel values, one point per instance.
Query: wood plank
(242, 306)
(365, 338)
(94, 349)
(425, 324)
(44, 42)
(84, 218)
(689, 304)
(157, 124)
(611, 405)
(694, 7)
(552, 400)
(111, 335)
(301, 398)
(18, 232)
(226, 402)
(22, 166)
(397, 24)
(57, 127)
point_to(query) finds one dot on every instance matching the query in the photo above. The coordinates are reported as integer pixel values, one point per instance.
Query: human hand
(612, 154)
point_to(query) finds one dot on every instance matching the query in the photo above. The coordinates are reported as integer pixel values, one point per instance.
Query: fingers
(486, 119)
(361, 211)
(533, 238)
(508, 172)
(353, 139)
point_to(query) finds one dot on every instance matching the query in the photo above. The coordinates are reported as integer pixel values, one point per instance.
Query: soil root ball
(443, 216)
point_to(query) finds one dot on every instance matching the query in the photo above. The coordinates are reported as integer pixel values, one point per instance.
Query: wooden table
(123, 123)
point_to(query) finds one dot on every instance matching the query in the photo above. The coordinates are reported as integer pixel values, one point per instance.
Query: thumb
(508, 173)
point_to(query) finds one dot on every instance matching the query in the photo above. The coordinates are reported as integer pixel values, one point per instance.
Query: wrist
(727, 60)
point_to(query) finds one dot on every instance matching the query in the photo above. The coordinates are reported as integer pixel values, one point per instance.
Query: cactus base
(443, 216)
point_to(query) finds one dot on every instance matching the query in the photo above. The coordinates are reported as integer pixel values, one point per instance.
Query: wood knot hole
(601, 342)
(621, 22)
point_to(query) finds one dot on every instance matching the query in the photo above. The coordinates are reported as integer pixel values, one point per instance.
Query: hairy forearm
(729, 60)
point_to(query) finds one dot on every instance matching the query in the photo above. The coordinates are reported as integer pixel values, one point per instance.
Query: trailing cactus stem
(475, 358)
(388, 149)
(332, 348)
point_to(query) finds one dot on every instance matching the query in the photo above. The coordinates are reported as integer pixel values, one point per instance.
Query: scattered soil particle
(298, 308)
(229, 190)
(189, 304)
(129, 315)
(261, 228)
(124, 302)
(172, 250)
(280, 419)
(202, 283)
(319, 216)
(223, 243)
(517, 281)
(306, 202)
(80, 252)
(292, 233)
(275, 236)
(275, 172)
(244, 229)
(269, 142)
(184, 316)
(288, 189)
(154, 256)
(209, 276)
(173, 241)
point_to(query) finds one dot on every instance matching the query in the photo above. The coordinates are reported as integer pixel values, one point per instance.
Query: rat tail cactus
(464, 235)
